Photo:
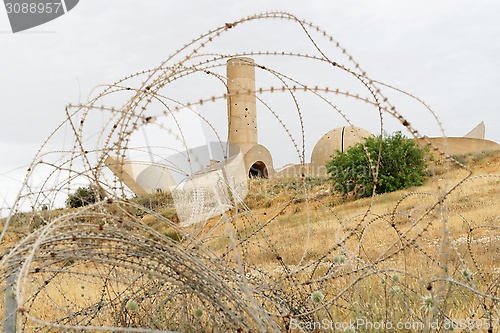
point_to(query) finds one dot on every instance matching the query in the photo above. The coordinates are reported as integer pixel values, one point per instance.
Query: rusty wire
(102, 268)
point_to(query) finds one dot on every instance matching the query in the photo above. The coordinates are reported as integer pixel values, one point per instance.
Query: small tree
(84, 196)
(402, 165)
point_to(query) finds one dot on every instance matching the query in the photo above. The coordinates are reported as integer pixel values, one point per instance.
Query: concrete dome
(155, 179)
(337, 139)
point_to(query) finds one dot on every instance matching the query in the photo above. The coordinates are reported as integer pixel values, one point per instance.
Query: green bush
(402, 165)
(155, 200)
(84, 196)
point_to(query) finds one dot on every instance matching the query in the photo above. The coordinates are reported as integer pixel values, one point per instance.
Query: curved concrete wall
(141, 177)
(340, 138)
(259, 153)
(455, 146)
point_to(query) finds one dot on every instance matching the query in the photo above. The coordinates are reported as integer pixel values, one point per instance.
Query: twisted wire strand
(120, 264)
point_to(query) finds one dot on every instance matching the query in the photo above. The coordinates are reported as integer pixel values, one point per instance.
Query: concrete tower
(241, 103)
(242, 117)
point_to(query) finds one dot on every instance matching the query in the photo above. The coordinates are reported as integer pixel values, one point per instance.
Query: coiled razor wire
(232, 267)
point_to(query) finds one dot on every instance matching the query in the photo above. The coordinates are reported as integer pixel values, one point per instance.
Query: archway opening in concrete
(258, 170)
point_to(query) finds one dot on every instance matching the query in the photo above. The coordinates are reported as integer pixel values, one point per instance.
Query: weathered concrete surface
(141, 178)
(477, 132)
(341, 139)
(241, 103)
(242, 117)
(123, 171)
(455, 146)
(297, 170)
(259, 153)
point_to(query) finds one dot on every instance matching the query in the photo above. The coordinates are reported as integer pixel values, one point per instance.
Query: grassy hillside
(293, 252)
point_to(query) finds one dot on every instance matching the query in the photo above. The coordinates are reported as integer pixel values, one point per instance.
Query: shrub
(155, 200)
(480, 155)
(402, 165)
(84, 196)
(460, 158)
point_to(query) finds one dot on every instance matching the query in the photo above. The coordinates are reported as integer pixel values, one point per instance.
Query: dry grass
(315, 234)
(290, 214)
(380, 258)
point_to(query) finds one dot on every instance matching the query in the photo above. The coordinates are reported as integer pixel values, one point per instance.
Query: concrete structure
(242, 117)
(473, 141)
(340, 139)
(457, 146)
(142, 178)
(337, 139)
(477, 132)
(146, 178)
(344, 137)
(294, 170)
(211, 191)
(241, 103)
(255, 160)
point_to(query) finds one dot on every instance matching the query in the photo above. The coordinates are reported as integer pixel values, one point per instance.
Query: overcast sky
(446, 52)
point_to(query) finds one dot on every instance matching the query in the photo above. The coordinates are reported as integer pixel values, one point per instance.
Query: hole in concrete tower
(258, 170)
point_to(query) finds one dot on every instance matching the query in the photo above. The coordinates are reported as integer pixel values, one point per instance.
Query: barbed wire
(120, 264)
